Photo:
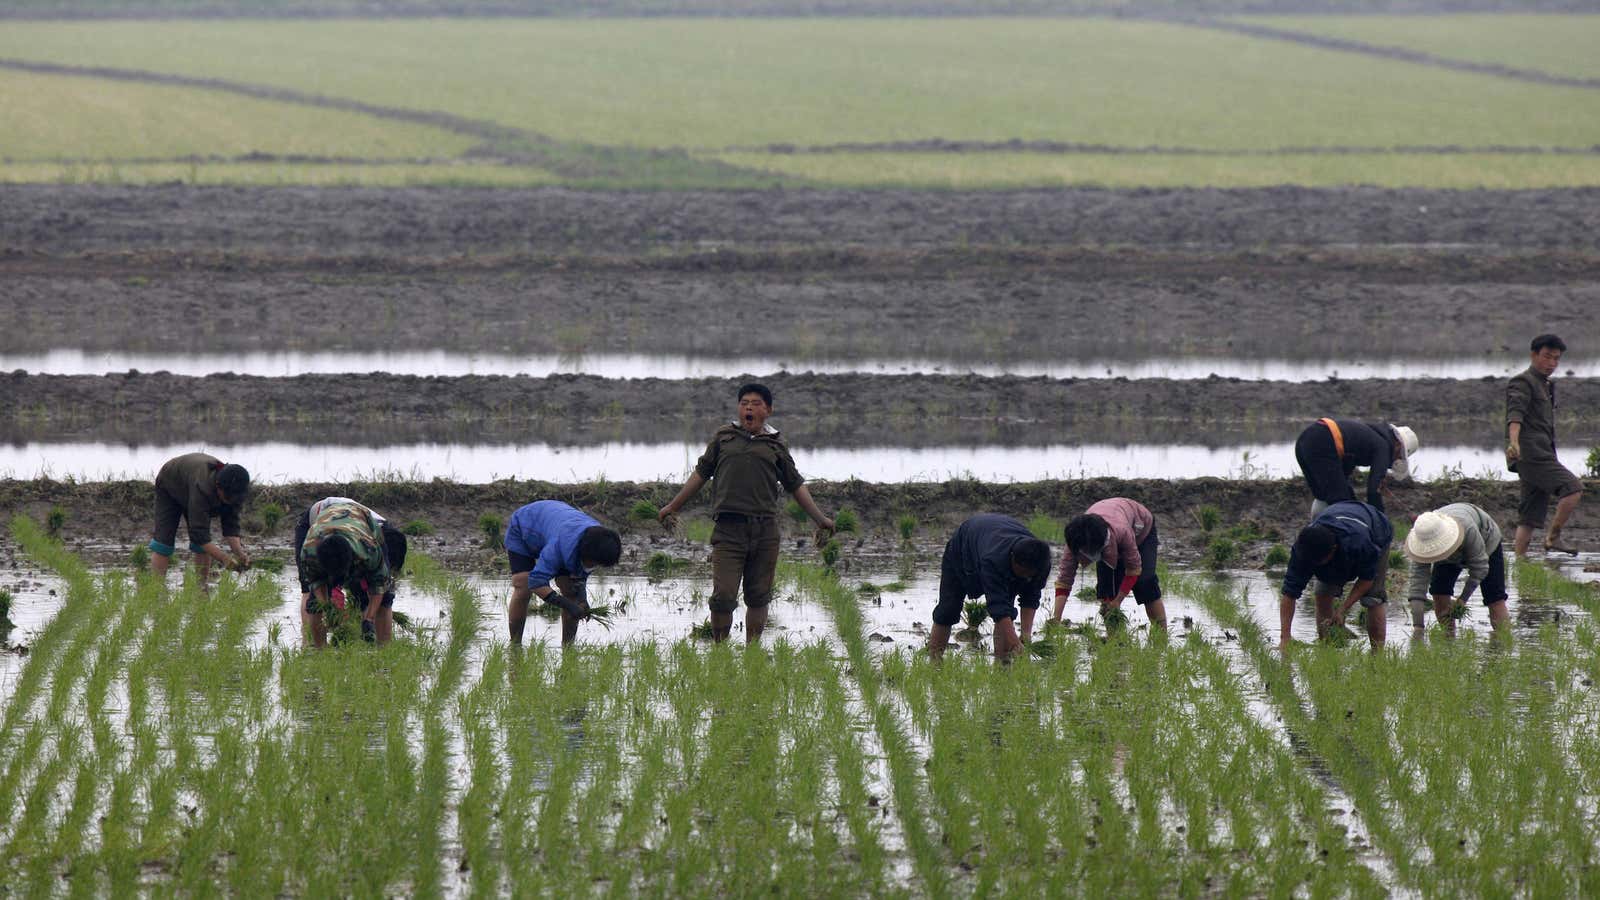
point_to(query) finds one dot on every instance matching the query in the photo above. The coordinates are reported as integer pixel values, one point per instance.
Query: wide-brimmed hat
(1433, 537)
(1408, 445)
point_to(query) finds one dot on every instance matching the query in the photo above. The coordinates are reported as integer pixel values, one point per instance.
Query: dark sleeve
(707, 466)
(1296, 576)
(1366, 561)
(230, 520)
(995, 581)
(788, 475)
(1518, 398)
(198, 515)
(1382, 459)
(1029, 598)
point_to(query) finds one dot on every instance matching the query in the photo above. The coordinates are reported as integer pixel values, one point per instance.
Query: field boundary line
(1397, 54)
(1074, 148)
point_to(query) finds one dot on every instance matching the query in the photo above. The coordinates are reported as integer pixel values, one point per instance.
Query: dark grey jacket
(1531, 400)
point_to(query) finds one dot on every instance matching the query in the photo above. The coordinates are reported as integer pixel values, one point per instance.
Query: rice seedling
(493, 530)
(697, 530)
(271, 515)
(702, 631)
(417, 528)
(845, 521)
(797, 513)
(644, 511)
(1221, 553)
(662, 564)
(5, 612)
(1115, 619)
(906, 524)
(1591, 463)
(1045, 528)
(139, 558)
(1277, 557)
(975, 613)
(1208, 517)
(55, 520)
(830, 553)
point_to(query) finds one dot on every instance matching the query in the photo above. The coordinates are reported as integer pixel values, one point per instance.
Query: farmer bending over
(995, 557)
(746, 461)
(1118, 537)
(343, 555)
(1329, 450)
(394, 548)
(1441, 544)
(195, 487)
(550, 541)
(1348, 541)
(1531, 448)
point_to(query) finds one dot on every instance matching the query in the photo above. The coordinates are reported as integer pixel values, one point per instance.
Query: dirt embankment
(981, 315)
(846, 410)
(106, 519)
(441, 222)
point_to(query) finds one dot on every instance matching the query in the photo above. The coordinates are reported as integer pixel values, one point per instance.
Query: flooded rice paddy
(482, 463)
(441, 363)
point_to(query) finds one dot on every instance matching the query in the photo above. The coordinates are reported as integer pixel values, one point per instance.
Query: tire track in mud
(1073, 148)
(503, 144)
(1396, 54)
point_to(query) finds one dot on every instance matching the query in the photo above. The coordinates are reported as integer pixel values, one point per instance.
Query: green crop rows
(176, 744)
(700, 102)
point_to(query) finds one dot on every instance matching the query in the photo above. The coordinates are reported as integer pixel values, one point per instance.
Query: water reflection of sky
(67, 361)
(479, 463)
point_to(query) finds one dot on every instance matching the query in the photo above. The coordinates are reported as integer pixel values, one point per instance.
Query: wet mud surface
(440, 222)
(841, 410)
(979, 314)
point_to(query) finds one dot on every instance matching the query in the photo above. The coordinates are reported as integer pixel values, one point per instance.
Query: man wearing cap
(1441, 544)
(195, 487)
(746, 462)
(1348, 541)
(552, 547)
(1531, 448)
(1118, 537)
(381, 626)
(995, 557)
(1329, 450)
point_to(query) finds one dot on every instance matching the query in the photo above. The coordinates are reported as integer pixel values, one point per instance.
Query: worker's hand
(823, 534)
(668, 517)
(239, 564)
(580, 607)
(1513, 451)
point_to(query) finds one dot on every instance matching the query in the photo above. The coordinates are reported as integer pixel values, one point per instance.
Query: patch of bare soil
(845, 410)
(442, 222)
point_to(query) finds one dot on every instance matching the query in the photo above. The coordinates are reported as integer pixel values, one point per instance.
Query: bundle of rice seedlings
(1115, 618)
(701, 631)
(975, 612)
(1458, 612)
(601, 615)
(1044, 648)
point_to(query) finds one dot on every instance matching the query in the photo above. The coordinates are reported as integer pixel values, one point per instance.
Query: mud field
(58, 219)
(106, 520)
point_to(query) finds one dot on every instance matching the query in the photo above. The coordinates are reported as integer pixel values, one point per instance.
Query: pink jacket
(1128, 523)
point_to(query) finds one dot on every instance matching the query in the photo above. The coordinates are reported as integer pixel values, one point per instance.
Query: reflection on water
(480, 463)
(68, 361)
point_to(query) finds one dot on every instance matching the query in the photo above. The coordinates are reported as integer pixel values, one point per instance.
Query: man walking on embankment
(746, 462)
(196, 487)
(1531, 449)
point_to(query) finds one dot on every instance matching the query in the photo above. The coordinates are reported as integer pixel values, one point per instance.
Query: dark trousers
(744, 549)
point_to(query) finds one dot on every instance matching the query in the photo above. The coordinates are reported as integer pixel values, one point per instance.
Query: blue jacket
(981, 550)
(548, 531)
(1362, 535)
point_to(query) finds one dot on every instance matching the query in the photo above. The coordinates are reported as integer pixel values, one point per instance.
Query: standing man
(1531, 449)
(1329, 450)
(1441, 544)
(995, 557)
(1118, 537)
(746, 462)
(1348, 541)
(394, 548)
(195, 487)
(550, 542)
(342, 555)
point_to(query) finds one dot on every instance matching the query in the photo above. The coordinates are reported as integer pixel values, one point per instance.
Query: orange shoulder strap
(1338, 437)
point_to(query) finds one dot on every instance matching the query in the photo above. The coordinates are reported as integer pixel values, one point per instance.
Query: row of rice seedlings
(1453, 753)
(905, 773)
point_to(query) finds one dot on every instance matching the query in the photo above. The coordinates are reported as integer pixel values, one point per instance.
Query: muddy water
(68, 361)
(274, 463)
(36, 597)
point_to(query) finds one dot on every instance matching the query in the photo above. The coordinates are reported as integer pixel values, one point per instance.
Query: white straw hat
(1408, 445)
(1433, 537)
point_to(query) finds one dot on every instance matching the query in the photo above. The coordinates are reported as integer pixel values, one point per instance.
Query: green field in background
(721, 88)
(1560, 45)
(1016, 170)
(53, 117)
